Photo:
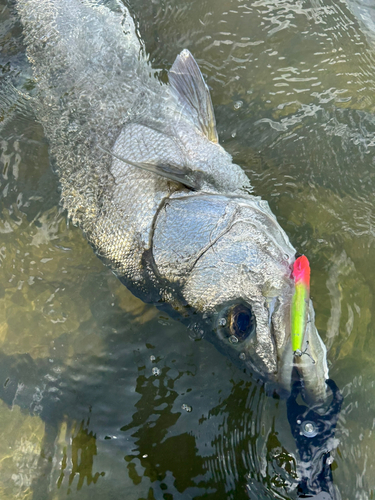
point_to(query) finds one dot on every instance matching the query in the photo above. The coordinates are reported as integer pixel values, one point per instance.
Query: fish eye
(241, 321)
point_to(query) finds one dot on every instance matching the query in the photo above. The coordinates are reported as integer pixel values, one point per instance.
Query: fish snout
(311, 364)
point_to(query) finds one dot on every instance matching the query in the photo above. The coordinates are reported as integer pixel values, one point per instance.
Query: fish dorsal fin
(192, 93)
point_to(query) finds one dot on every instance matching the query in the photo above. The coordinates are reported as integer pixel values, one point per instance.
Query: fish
(158, 198)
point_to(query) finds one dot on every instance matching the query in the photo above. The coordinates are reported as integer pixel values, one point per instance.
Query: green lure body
(300, 301)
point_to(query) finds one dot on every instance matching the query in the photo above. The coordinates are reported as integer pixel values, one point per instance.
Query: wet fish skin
(201, 247)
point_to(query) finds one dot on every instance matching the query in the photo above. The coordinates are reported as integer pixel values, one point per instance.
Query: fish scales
(160, 201)
(101, 80)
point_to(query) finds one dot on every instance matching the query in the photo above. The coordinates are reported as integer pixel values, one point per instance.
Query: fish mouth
(311, 364)
(308, 366)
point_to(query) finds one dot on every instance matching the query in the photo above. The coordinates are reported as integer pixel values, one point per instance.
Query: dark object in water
(314, 435)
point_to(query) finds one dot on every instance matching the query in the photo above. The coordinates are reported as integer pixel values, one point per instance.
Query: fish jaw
(311, 365)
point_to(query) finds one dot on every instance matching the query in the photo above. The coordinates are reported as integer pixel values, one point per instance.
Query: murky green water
(293, 85)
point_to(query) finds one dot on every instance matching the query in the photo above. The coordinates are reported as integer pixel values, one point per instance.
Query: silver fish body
(158, 198)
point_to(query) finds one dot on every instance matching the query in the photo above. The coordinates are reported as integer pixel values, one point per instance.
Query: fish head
(231, 263)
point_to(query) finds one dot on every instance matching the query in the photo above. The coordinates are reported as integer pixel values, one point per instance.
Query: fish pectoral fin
(192, 93)
(176, 173)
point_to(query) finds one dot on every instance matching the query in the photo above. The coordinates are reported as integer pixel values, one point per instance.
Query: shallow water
(293, 89)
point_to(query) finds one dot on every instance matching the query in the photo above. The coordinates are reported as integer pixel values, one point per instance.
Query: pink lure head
(301, 271)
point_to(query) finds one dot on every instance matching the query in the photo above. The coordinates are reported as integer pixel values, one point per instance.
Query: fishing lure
(300, 302)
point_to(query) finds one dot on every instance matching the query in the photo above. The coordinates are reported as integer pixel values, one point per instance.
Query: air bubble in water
(309, 429)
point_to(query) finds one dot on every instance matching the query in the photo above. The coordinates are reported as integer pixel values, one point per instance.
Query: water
(125, 404)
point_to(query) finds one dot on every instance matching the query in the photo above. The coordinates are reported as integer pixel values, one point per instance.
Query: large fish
(158, 198)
